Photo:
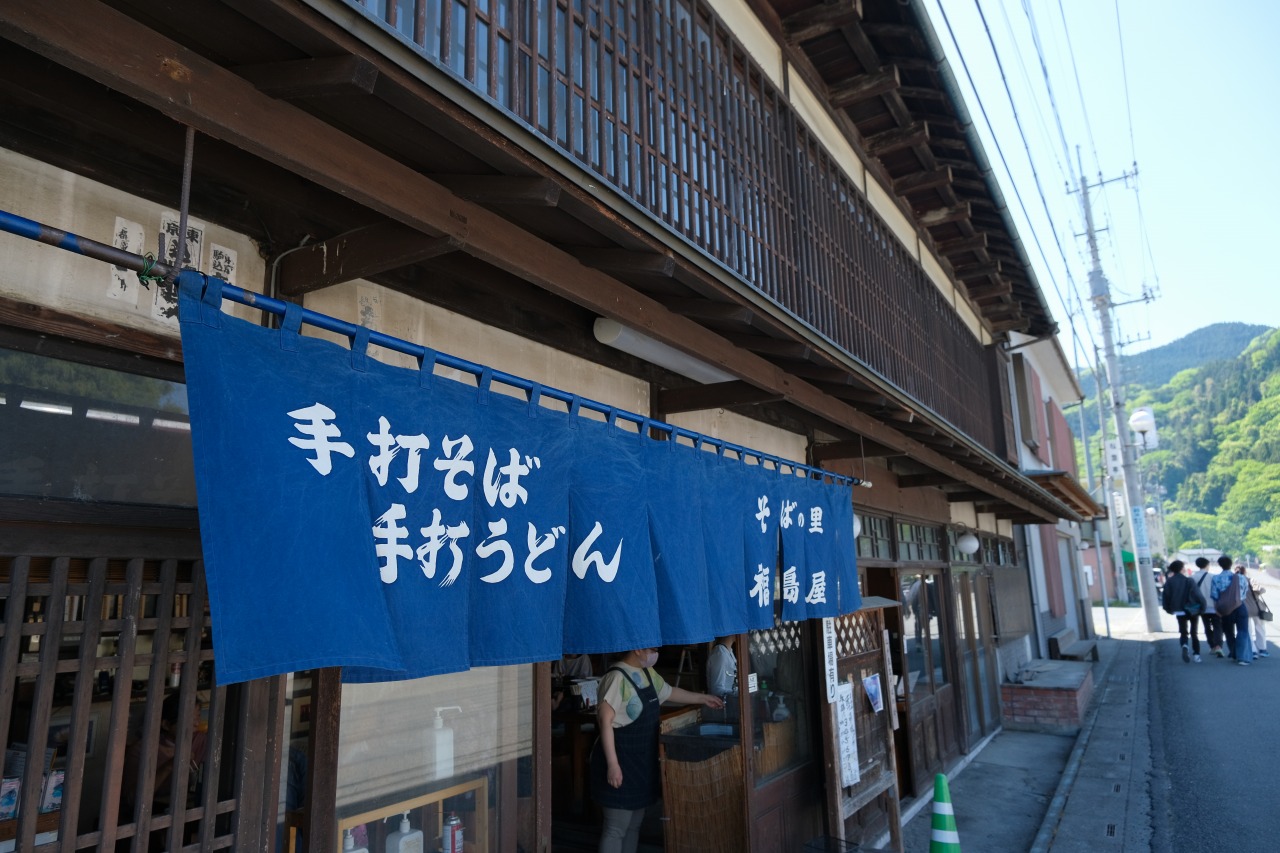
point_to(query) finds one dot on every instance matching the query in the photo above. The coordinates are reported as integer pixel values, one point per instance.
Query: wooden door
(785, 802)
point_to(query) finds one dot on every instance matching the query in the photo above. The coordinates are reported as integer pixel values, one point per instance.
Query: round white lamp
(968, 544)
(1142, 421)
(857, 526)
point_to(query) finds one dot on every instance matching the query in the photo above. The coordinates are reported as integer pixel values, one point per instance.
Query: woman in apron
(624, 762)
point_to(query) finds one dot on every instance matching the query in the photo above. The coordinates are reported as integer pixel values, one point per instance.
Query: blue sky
(1197, 224)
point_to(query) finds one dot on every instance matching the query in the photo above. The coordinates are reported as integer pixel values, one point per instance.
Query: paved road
(1215, 735)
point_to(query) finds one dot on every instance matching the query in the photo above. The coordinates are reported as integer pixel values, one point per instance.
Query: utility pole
(1100, 295)
(1117, 561)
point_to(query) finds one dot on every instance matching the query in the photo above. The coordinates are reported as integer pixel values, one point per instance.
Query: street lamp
(1142, 421)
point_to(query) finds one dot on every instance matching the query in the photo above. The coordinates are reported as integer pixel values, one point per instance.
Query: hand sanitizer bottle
(349, 844)
(405, 840)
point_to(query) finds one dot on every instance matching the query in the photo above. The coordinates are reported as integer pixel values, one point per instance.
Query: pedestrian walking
(1259, 613)
(1184, 601)
(1228, 592)
(1212, 622)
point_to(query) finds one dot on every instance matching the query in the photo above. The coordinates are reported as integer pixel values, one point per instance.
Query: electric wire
(1133, 150)
(1030, 159)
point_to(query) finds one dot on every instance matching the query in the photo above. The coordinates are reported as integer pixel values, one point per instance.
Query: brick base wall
(1059, 710)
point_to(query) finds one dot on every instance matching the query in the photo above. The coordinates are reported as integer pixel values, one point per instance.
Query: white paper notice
(124, 283)
(830, 657)
(849, 772)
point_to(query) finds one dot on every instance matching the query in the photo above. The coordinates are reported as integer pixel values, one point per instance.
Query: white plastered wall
(43, 275)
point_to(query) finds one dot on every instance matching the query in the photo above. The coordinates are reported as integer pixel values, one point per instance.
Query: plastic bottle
(451, 838)
(442, 743)
(349, 843)
(781, 712)
(405, 840)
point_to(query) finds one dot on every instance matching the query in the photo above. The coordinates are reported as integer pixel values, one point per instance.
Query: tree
(1267, 533)
(1212, 531)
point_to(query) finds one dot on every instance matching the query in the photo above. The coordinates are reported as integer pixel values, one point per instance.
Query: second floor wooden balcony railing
(659, 100)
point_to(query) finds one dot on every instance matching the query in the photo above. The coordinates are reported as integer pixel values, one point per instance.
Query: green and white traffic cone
(944, 839)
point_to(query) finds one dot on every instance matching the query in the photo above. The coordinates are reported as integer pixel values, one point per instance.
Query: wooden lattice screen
(103, 663)
(871, 805)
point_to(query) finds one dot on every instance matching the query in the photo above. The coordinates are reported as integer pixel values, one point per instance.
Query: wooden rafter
(312, 78)
(720, 395)
(359, 254)
(946, 215)
(504, 190)
(862, 87)
(917, 181)
(625, 261)
(765, 345)
(822, 19)
(706, 309)
(851, 449)
(895, 140)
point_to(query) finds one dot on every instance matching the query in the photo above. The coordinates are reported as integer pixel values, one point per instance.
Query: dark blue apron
(637, 747)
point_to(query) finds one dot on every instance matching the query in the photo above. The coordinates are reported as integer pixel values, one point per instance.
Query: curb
(1053, 816)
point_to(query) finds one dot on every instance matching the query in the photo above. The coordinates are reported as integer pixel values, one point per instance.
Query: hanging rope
(145, 275)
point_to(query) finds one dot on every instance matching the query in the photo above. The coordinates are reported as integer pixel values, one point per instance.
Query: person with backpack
(1184, 601)
(1259, 613)
(1212, 622)
(1228, 592)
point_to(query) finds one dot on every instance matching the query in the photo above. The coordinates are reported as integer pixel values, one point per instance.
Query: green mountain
(1155, 367)
(1219, 455)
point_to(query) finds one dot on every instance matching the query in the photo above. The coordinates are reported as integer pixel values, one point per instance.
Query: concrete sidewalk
(1025, 791)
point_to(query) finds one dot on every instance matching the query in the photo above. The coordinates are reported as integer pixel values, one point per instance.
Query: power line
(1030, 160)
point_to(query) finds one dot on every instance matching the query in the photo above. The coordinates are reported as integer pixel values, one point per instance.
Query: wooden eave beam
(967, 496)
(971, 272)
(943, 199)
(697, 398)
(854, 395)
(360, 254)
(862, 87)
(821, 19)
(945, 216)
(622, 262)
(917, 481)
(987, 290)
(765, 345)
(851, 449)
(504, 190)
(917, 181)
(895, 140)
(886, 29)
(89, 37)
(706, 309)
(312, 78)
(924, 93)
(974, 243)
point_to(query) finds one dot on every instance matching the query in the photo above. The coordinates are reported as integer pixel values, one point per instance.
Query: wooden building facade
(786, 193)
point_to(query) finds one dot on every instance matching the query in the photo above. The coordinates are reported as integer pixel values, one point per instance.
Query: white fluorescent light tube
(614, 334)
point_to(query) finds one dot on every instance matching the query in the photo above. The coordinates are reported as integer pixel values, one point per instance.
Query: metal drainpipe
(952, 89)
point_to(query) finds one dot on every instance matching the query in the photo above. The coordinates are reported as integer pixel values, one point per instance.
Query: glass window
(475, 764)
(781, 704)
(919, 543)
(876, 540)
(88, 433)
(921, 631)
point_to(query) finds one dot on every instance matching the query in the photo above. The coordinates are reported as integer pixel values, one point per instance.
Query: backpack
(1204, 582)
(1229, 599)
(1182, 587)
